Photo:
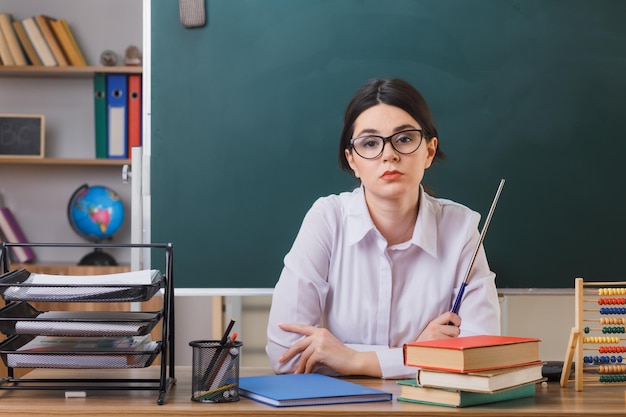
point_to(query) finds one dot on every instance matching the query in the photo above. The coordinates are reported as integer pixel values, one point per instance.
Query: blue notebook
(290, 390)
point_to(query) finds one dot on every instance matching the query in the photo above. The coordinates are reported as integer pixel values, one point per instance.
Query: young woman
(380, 266)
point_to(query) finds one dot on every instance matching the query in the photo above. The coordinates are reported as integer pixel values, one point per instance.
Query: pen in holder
(215, 371)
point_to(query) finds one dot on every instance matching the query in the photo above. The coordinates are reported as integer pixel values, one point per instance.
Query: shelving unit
(58, 166)
(17, 291)
(37, 189)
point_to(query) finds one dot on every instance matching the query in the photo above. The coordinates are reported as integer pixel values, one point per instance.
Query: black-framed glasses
(371, 146)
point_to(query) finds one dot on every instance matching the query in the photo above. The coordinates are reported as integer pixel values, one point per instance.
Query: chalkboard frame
(34, 151)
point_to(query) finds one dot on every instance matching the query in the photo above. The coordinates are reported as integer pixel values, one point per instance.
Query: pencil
(227, 332)
(210, 372)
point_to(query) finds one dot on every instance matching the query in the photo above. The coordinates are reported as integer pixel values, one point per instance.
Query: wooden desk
(550, 401)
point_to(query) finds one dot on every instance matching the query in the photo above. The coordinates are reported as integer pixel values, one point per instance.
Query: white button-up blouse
(341, 274)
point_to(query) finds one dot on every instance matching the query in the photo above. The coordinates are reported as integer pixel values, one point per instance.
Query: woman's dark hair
(394, 92)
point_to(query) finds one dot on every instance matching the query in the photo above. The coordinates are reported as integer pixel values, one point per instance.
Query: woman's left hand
(320, 346)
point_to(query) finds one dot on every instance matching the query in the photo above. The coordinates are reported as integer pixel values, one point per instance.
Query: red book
(12, 233)
(472, 353)
(134, 112)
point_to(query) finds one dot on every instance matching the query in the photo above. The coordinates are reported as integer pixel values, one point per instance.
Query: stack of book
(38, 41)
(472, 370)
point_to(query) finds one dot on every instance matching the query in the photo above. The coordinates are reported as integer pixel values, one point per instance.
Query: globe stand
(98, 258)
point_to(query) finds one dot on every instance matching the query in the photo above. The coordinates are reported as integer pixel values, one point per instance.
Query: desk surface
(550, 401)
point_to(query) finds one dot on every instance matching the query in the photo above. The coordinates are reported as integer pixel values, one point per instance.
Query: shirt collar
(425, 232)
(360, 223)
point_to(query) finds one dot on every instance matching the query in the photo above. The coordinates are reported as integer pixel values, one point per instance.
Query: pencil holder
(215, 371)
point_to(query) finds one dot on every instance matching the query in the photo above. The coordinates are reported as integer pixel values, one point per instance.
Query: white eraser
(75, 394)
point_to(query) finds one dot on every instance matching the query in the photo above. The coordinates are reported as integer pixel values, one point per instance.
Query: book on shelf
(67, 42)
(43, 22)
(81, 56)
(26, 43)
(481, 381)
(11, 38)
(38, 41)
(12, 232)
(411, 391)
(5, 52)
(290, 390)
(472, 353)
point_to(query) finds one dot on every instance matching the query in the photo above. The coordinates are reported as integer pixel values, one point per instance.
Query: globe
(95, 213)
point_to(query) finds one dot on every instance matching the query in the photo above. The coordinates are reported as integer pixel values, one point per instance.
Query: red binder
(134, 112)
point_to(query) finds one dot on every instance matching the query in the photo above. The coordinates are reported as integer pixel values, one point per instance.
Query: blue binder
(117, 130)
(288, 390)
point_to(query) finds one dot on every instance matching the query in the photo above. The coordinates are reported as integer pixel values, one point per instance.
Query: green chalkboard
(246, 113)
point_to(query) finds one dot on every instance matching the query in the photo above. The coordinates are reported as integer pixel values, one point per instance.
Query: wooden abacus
(600, 330)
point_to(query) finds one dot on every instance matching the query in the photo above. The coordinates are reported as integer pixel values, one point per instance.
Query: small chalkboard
(21, 135)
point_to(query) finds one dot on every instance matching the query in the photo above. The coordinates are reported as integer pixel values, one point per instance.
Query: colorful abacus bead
(601, 339)
(611, 291)
(612, 320)
(612, 349)
(612, 378)
(611, 330)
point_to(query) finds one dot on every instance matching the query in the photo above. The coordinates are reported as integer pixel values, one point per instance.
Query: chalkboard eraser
(75, 394)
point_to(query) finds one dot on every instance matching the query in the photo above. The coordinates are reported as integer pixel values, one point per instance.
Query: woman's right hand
(445, 326)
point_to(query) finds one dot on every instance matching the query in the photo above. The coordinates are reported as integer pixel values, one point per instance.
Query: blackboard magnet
(22, 135)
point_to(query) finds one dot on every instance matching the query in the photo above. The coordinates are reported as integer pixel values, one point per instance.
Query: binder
(307, 389)
(134, 111)
(117, 103)
(100, 106)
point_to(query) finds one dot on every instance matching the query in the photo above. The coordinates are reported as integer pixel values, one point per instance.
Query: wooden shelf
(65, 161)
(30, 71)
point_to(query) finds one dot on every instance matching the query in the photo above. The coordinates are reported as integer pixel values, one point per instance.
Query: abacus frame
(577, 341)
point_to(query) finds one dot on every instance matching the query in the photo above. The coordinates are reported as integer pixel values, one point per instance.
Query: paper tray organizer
(22, 318)
(14, 358)
(13, 287)
(17, 292)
